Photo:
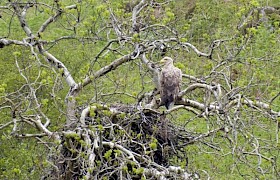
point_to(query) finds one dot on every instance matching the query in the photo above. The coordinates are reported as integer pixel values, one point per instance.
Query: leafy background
(257, 64)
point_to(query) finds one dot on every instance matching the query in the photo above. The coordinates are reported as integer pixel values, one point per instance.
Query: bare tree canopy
(82, 92)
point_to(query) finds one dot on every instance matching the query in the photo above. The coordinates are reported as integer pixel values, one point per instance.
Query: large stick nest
(121, 142)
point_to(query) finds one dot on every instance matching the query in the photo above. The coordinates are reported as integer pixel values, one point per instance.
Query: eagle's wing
(178, 74)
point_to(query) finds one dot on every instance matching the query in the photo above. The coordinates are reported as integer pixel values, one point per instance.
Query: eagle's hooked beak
(162, 61)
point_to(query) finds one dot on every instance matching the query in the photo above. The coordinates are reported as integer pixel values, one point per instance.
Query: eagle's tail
(169, 102)
(170, 105)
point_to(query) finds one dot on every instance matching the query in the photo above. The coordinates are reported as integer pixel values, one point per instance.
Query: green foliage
(117, 152)
(108, 154)
(18, 157)
(257, 64)
(153, 144)
(138, 171)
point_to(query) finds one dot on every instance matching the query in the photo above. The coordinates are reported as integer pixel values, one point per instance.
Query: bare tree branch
(112, 66)
(6, 42)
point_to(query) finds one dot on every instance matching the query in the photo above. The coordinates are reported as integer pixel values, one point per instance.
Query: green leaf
(108, 154)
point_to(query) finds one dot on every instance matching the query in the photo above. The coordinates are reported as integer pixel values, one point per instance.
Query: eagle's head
(166, 60)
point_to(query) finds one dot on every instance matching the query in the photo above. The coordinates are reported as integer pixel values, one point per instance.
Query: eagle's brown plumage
(170, 82)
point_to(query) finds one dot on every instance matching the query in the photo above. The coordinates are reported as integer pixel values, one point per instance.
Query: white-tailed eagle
(170, 82)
